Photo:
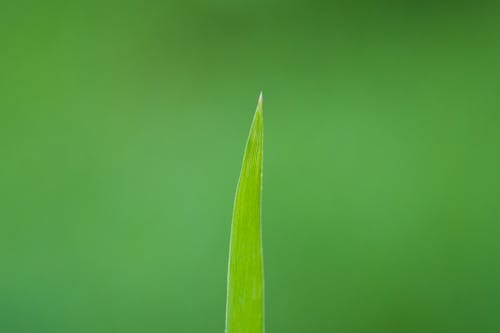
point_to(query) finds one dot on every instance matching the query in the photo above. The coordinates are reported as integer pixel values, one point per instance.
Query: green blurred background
(122, 128)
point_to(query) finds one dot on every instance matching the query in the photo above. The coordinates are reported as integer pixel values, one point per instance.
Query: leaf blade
(245, 283)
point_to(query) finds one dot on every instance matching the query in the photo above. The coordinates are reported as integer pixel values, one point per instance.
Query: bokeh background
(122, 128)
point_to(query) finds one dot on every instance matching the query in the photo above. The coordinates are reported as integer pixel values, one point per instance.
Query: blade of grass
(245, 281)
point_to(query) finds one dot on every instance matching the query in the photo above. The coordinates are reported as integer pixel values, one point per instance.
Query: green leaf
(245, 281)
